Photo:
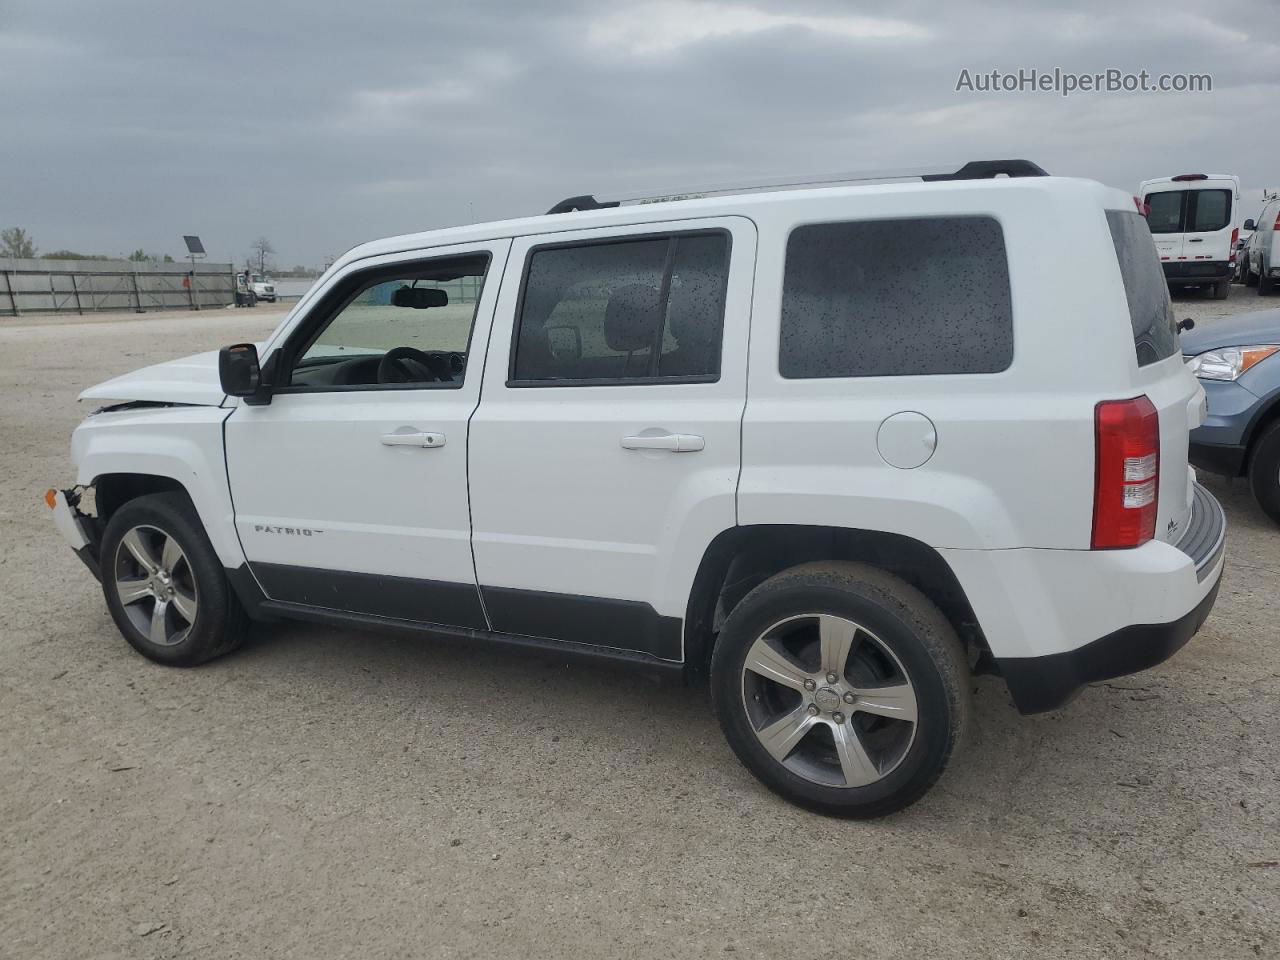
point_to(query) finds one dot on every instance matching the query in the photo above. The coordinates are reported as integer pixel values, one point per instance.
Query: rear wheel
(842, 688)
(1220, 290)
(1264, 471)
(163, 583)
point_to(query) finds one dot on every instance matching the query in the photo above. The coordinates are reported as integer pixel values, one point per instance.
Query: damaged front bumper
(80, 531)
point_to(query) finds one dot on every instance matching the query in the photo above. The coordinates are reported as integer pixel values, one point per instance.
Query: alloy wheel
(829, 700)
(156, 585)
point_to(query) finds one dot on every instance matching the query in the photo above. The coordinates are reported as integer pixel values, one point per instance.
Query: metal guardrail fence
(34, 287)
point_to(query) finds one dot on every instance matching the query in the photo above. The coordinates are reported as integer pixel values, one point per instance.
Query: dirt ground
(325, 793)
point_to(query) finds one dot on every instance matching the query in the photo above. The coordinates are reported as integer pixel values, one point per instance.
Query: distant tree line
(16, 242)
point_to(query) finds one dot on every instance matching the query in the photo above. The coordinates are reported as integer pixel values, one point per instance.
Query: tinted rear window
(1165, 211)
(1188, 211)
(1155, 335)
(1211, 210)
(888, 298)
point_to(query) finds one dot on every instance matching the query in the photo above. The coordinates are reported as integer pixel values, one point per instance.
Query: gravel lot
(324, 793)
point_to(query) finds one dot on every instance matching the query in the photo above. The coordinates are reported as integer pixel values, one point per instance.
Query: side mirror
(1187, 324)
(238, 370)
(1250, 225)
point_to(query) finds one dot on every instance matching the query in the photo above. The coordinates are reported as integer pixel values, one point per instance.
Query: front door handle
(413, 439)
(1196, 240)
(675, 442)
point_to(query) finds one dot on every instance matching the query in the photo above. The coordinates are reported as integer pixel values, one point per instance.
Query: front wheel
(841, 687)
(1265, 283)
(1264, 472)
(163, 583)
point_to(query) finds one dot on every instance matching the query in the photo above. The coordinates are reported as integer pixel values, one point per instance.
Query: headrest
(630, 317)
(419, 298)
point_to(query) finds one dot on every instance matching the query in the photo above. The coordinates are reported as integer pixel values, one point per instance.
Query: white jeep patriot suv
(830, 449)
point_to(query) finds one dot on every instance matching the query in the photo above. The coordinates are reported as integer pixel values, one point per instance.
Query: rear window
(1165, 211)
(892, 298)
(1188, 211)
(1155, 335)
(1211, 210)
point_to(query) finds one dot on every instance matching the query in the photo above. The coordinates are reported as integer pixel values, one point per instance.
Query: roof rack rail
(973, 170)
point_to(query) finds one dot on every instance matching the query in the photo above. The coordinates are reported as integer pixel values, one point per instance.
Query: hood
(191, 380)
(1241, 330)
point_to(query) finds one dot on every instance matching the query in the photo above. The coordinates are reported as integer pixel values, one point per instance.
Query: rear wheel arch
(741, 558)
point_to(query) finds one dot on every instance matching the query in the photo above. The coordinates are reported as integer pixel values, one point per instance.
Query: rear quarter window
(893, 298)
(1155, 334)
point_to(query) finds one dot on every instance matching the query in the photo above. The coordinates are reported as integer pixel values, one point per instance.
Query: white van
(1262, 255)
(1195, 220)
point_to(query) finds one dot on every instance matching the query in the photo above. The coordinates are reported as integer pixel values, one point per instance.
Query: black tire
(899, 618)
(219, 623)
(1264, 471)
(1220, 290)
(1265, 284)
(1250, 278)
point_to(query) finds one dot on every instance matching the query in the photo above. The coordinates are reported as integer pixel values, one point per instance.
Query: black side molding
(1045, 683)
(621, 624)
(560, 649)
(399, 598)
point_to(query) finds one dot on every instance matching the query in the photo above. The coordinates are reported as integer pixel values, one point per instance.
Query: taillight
(1235, 238)
(1277, 223)
(1127, 479)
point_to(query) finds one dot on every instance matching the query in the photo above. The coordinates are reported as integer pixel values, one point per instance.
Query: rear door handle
(675, 442)
(1196, 240)
(414, 439)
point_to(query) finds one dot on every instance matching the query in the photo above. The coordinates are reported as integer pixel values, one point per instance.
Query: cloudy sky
(319, 125)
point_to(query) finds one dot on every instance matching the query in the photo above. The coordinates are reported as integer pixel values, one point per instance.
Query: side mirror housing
(239, 372)
(1250, 225)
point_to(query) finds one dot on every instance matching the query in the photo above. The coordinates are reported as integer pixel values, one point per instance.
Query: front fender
(183, 444)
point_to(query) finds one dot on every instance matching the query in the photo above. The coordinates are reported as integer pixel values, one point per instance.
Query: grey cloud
(128, 124)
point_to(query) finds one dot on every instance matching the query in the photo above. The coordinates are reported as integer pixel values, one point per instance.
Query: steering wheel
(394, 366)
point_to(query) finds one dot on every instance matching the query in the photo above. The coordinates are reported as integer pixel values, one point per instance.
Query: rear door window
(623, 311)
(893, 298)
(1155, 334)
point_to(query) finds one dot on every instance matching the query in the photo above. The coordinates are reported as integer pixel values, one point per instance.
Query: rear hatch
(1176, 394)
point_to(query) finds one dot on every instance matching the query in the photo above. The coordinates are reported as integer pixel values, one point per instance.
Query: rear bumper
(1046, 683)
(1041, 683)
(1186, 272)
